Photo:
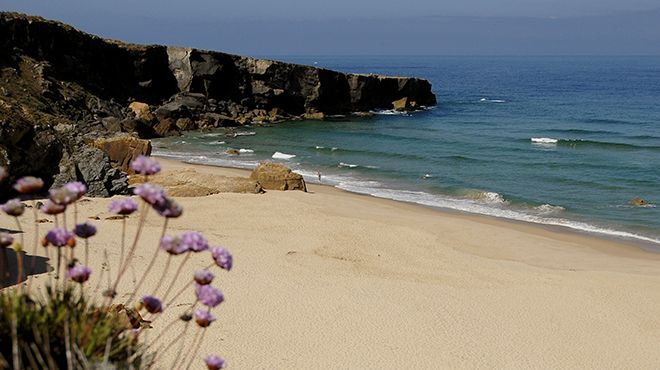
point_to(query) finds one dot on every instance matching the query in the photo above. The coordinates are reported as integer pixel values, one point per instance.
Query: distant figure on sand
(318, 173)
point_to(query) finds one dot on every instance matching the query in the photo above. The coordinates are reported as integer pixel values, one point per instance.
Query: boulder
(190, 183)
(122, 150)
(92, 167)
(166, 127)
(275, 176)
(404, 105)
(141, 111)
(638, 202)
(232, 151)
(185, 124)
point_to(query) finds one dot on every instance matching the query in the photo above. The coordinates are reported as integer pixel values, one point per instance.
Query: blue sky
(332, 27)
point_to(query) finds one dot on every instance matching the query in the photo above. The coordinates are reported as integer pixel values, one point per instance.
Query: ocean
(564, 141)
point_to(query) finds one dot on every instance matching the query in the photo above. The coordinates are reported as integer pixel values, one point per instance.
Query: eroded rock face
(275, 176)
(122, 150)
(54, 75)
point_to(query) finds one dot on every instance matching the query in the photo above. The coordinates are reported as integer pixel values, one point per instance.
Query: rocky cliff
(62, 89)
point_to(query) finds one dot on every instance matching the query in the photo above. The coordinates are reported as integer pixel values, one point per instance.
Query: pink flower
(28, 184)
(51, 208)
(145, 165)
(152, 304)
(60, 237)
(208, 295)
(85, 230)
(6, 240)
(150, 193)
(214, 362)
(13, 207)
(124, 206)
(203, 277)
(173, 245)
(203, 318)
(195, 241)
(79, 274)
(222, 258)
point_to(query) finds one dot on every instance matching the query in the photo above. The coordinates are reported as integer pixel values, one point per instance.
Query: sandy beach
(329, 279)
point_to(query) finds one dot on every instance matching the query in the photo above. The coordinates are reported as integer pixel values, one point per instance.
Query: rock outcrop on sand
(275, 176)
(52, 75)
(190, 183)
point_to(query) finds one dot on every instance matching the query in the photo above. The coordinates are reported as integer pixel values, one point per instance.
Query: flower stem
(35, 246)
(124, 267)
(86, 251)
(19, 255)
(151, 264)
(176, 276)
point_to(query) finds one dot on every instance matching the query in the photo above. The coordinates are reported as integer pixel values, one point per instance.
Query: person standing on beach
(318, 173)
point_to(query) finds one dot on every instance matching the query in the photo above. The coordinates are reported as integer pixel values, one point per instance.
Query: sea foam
(280, 155)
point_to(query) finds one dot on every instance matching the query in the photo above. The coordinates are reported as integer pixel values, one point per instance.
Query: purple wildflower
(6, 240)
(124, 206)
(52, 208)
(173, 245)
(28, 184)
(3, 174)
(195, 241)
(145, 165)
(13, 207)
(150, 193)
(203, 318)
(152, 304)
(208, 295)
(62, 196)
(76, 188)
(79, 274)
(214, 362)
(85, 230)
(222, 257)
(168, 208)
(60, 237)
(203, 277)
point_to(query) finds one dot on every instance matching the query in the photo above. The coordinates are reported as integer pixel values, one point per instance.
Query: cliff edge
(62, 89)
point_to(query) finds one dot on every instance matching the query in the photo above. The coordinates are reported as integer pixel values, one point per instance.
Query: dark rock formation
(275, 176)
(52, 74)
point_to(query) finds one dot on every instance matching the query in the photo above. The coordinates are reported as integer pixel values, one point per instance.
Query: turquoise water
(596, 124)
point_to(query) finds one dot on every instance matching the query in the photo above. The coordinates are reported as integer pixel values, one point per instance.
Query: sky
(370, 27)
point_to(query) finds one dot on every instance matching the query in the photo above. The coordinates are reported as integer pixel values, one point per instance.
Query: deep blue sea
(553, 140)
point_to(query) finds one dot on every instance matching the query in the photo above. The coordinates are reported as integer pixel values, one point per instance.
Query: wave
(349, 165)
(579, 143)
(543, 140)
(546, 209)
(243, 133)
(279, 155)
(390, 112)
(245, 151)
(476, 207)
(486, 100)
(608, 121)
(487, 197)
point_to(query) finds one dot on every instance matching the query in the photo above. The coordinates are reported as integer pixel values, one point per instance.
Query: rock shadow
(32, 265)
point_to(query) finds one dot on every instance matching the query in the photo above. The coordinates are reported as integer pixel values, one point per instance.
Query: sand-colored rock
(122, 150)
(637, 202)
(142, 111)
(404, 104)
(189, 183)
(275, 176)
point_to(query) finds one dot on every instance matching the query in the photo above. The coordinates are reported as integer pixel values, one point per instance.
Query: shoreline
(627, 242)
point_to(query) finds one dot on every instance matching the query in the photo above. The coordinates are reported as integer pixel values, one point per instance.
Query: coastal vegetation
(66, 322)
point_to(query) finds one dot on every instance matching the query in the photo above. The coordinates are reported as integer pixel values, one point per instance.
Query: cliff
(61, 89)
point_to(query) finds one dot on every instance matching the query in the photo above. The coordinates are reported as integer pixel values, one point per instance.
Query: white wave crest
(245, 133)
(349, 165)
(279, 155)
(486, 100)
(544, 140)
(548, 209)
(245, 151)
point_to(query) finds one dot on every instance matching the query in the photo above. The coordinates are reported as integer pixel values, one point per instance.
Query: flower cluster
(62, 235)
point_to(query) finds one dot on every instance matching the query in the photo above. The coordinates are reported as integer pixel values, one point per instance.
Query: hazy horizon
(421, 27)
